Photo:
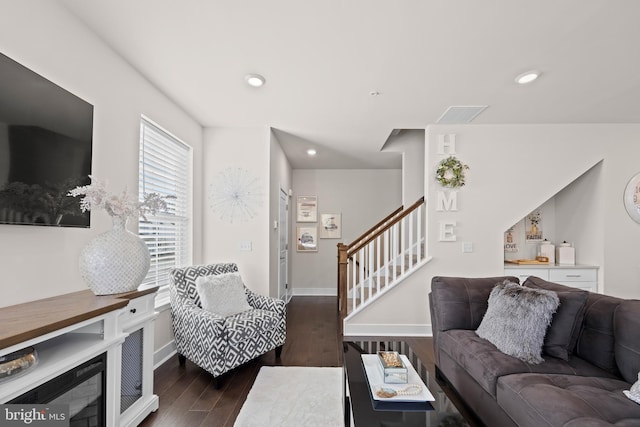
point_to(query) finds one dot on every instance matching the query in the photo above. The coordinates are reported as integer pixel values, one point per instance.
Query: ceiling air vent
(461, 114)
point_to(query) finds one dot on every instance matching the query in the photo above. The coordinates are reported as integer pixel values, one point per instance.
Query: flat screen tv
(46, 136)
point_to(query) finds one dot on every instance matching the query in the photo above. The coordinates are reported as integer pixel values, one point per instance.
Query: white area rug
(294, 397)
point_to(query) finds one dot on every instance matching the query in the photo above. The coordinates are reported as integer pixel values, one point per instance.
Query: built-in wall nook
(559, 240)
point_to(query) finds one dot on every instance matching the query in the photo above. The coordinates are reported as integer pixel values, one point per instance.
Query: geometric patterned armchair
(218, 344)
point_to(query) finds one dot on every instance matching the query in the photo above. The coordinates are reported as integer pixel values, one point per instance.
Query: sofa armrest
(461, 302)
(271, 304)
(265, 303)
(196, 317)
(194, 327)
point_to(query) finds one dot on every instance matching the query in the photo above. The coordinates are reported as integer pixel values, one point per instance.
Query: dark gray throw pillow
(564, 331)
(516, 320)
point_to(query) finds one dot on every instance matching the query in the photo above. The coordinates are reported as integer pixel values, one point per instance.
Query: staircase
(380, 258)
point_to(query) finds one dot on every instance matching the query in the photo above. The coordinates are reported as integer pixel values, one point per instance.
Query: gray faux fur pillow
(517, 318)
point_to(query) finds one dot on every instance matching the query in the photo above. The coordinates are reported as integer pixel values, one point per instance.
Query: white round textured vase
(114, 262)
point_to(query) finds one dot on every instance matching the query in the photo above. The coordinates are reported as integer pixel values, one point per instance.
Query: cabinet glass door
(131, 381)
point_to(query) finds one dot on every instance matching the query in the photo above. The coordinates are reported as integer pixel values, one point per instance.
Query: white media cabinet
(70, 329)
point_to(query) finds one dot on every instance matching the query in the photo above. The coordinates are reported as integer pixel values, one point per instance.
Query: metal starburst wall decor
(235, 195)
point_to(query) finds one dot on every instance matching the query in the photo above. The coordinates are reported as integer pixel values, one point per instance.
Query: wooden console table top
(22, 322)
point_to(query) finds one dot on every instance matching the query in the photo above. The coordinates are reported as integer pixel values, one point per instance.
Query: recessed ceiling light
(312, 152)
(527, 77)
(255, 80)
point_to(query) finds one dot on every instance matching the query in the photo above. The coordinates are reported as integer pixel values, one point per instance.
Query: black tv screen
(46, 136)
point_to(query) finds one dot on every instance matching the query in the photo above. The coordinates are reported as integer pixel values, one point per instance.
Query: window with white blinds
(165, 168)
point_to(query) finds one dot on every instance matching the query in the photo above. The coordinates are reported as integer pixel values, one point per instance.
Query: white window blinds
(165, 168)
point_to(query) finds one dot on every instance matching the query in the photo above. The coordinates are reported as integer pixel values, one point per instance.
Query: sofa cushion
(564, 330)
(461, 301)
(517, 319)
(222, 294)
(596, 341)
(626, 327)
(566, 400)
(485, 363)
(246, 326)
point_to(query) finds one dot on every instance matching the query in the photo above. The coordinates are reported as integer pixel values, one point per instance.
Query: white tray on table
(374, 377)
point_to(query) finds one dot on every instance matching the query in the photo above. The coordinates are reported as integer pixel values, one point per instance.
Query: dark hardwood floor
(187, 396)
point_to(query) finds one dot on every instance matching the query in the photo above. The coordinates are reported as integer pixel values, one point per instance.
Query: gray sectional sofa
(595, 340)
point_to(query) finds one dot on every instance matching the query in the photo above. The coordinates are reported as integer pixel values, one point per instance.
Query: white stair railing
(382, 259)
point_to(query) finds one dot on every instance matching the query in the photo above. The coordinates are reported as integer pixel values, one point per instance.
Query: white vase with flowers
(116, 261)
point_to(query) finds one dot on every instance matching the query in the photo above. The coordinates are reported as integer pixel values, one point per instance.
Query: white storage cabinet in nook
(579, 276)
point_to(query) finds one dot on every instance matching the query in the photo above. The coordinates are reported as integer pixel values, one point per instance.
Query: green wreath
(450, 172)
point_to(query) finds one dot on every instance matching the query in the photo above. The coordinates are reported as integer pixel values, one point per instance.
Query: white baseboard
(388, 330)
(316, 292)
(163, 354)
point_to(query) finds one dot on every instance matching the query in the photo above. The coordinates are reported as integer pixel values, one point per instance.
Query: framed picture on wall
(331, 226)
(307, 238)
(307, 209)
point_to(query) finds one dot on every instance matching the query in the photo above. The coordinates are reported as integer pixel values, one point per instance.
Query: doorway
(284, 293)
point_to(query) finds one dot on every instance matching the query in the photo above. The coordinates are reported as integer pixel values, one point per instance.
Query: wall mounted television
(46, 136)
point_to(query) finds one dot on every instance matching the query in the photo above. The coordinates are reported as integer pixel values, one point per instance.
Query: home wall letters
(447, 200)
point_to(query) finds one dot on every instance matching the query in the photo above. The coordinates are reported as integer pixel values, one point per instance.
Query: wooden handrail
(397, 219)
(375, 227)
(342, 285)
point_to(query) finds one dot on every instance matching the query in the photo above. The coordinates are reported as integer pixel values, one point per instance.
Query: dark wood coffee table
(358, 406)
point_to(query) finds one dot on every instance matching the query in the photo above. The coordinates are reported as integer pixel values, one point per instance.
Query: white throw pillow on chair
(222, 294)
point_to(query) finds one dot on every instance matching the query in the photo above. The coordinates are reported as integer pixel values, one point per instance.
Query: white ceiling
(322, 59)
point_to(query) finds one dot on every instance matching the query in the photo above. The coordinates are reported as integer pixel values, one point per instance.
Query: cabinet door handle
(133, 310)
(574, 275)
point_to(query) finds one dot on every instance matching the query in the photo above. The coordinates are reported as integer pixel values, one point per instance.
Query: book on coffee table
(412, 402)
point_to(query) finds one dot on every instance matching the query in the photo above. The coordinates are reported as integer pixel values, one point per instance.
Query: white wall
(362, 196)
(411, 144)
(39, 262)
(514, 169)
(621, 249)
(248, 149)
(585, 232)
